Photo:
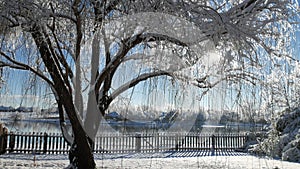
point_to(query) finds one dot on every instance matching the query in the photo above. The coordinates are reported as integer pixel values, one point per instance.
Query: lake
(31, 122)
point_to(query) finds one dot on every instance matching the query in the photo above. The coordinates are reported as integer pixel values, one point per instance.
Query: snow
(283, 139)
(203, 160)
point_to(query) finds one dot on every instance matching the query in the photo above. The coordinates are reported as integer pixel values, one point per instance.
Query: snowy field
(154, 160)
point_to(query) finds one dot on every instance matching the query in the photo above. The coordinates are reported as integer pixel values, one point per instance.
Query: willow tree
(170, 38)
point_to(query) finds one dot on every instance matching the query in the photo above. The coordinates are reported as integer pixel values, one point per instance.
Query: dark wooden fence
(36, 143)
(120, 143)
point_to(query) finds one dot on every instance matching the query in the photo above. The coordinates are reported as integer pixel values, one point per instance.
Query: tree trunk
(82, 152)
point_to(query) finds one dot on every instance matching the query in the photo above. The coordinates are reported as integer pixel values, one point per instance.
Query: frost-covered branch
(137, 80)
(128, 44)
(209, 81)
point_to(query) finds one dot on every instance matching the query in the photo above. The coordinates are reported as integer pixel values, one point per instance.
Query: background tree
(46, 38)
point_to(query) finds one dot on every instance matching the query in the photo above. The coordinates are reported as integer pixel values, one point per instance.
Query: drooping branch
(22, 66)
(137, 80)
(128, 44)
(231, 75)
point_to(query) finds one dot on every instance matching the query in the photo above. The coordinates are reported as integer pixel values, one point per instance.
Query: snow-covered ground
(152, 160)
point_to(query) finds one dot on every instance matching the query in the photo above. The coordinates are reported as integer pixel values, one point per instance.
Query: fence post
(157, 142)
(11, 142)
(138, 143)
(213, 142)
(3, 139)
(5, 136)
(45, 143)
(176, 142)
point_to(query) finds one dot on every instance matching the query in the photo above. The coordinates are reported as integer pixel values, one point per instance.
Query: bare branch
(63, 16)
(22, 66)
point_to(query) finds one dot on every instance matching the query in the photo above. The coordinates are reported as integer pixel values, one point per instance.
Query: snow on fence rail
(123, 143)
